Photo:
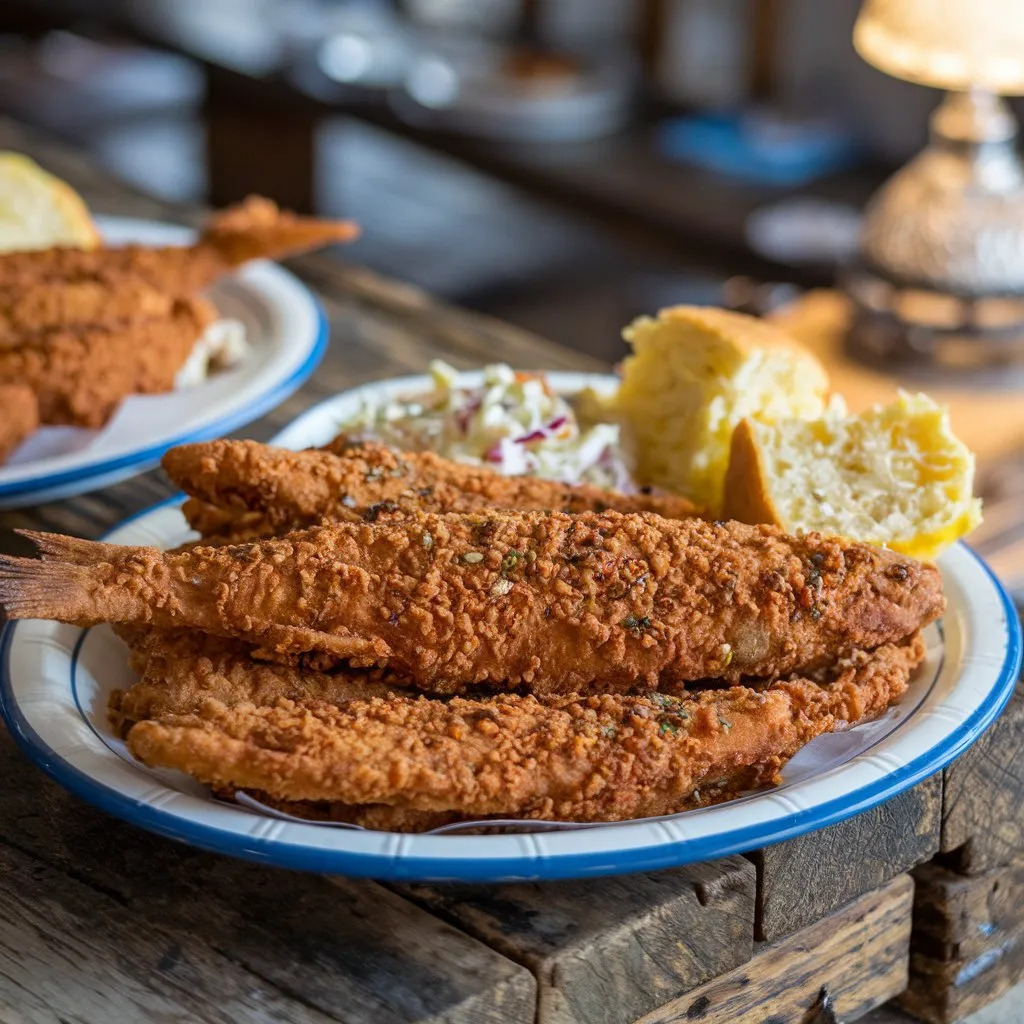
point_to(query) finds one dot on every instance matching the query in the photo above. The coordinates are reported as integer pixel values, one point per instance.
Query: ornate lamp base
(940, 284)
(935, 337)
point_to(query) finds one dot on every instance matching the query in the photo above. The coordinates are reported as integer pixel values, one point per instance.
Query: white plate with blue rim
(287, 335)
(55, 680)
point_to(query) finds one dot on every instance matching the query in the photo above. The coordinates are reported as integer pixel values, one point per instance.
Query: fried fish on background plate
(81, 375)
(569, 758)
(27, 313)
(244, 490)
(19, 416)
(86, 328)
(555, 602)
(255, 229)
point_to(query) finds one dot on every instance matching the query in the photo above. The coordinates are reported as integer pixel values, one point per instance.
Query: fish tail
(61, 584)
(68, 550)
(33, 588)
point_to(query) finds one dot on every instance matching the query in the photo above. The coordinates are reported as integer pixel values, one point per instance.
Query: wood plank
(962, 918)
(859, 954)
(805, 879)
(890, 1013)
(983, 798)
(611, 949)
(967, 947)
(70, 953)
(352, 950)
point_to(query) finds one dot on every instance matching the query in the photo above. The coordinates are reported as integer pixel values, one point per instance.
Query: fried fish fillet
(19, 416)
(555, 602)
(254, 229)
(87, 301)
(181, 670)
(600, 758)
(246, 490)
(80, 376)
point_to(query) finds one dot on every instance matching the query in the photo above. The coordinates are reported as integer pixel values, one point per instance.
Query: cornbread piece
(893, 475)
(694, 374)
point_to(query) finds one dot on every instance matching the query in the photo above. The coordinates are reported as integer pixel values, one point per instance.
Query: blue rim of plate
(148, 457)
(570, 865)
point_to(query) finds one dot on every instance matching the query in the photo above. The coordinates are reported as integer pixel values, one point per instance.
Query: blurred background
(562, 164)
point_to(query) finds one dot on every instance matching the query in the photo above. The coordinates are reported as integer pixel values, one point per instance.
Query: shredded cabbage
(513, 423)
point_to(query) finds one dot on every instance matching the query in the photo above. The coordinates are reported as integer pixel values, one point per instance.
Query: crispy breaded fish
(19, 416)
(252, 230)
(600, 758)
(181, 670)
(556, 602)
(81, 375)
(88, 301)
(241, 487)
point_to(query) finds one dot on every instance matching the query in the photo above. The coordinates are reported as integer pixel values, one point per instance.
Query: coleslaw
(511, 422)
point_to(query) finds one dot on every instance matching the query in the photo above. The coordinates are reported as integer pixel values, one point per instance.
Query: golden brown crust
(747, 497)
(394, 818)
(19, 416)
(99, 299)
(551, 601)
(243, 490)
(253, 229)
(181, 670)
(81, 375)
(602, 758)
(379, 817)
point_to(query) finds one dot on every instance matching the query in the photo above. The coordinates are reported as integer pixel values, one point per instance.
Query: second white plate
(287, 333)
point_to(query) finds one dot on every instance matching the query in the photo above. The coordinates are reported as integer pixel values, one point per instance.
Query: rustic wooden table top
(101, 923)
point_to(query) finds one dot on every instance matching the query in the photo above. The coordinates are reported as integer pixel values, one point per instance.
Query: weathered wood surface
(858, 954)
(65, 955)
(351, 951)
(983, 797)
(611, 949)
(967, 947)
(805, 879)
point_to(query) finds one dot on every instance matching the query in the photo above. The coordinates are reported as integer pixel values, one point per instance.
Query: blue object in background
(758, 146)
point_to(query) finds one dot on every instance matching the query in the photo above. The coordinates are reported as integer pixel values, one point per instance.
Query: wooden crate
(968, 941)
(805, 879)
(983, 797)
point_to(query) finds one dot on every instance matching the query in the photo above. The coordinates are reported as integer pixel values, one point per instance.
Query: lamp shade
(950, 44)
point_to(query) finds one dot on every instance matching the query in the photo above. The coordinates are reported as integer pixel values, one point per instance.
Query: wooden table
(100, 922)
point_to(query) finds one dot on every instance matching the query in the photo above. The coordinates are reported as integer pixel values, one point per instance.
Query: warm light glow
(950, 44)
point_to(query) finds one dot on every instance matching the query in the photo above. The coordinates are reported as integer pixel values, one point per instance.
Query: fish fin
(258, 228)
(33, 588)
(69, 550)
